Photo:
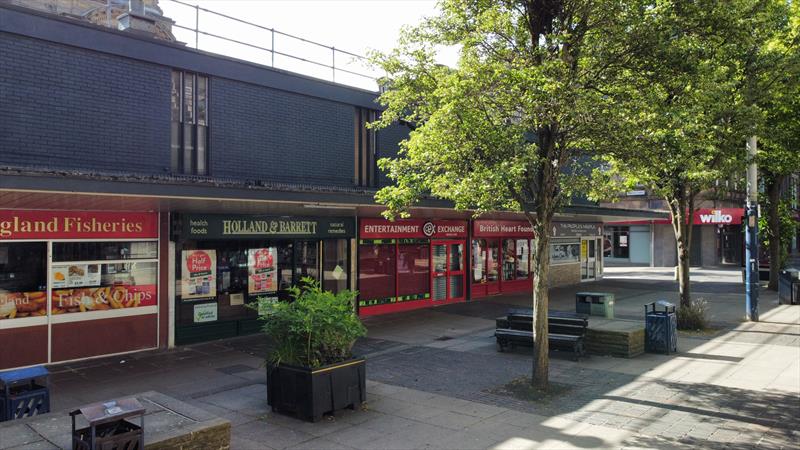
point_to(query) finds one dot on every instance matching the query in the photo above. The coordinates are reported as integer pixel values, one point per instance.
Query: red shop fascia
(410, 264)
(79, 284)
(500, 257)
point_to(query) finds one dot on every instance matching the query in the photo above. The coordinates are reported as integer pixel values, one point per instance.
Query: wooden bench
(565, 331)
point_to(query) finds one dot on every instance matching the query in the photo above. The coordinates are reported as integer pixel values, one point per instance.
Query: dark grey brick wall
(68, 108)
(388, 145)
(259, 133)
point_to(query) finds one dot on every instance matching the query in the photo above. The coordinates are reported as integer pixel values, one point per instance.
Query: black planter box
(309, 393)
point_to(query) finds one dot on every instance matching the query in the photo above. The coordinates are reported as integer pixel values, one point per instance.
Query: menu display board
(76, 275)
(262, 270)
(199, 274)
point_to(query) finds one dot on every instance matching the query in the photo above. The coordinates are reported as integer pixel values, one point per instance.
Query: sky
(352, 25)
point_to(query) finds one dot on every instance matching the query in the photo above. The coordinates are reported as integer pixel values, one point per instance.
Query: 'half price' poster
(262, 267)
(199, 278)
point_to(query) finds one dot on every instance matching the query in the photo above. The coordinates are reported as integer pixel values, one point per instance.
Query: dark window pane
(98, 251)
(509, 260)
(23, 280)
(376, 277)
(478, 260)
(202, 100)
(202, 155)
(175, 147)
(188, 149)
(491, 260)
(306, 260)
(188, 99)
(413, 269)
(334, 265)
(175, 98)
(523, 257)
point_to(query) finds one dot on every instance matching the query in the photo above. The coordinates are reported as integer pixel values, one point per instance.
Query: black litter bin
(25, 393)
(108, 427)
(789, 287)
(660, 327)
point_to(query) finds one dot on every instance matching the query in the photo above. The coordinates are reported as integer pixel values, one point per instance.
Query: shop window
(523, 258)
(82, 284)
(23, 280)
(565, 252)
(334, 265)
(621, 243)
(478, 260)
(509, 260)
(413, 269)
(100, 251)
(189, 112)
(492, 260)
(79, 287)
(306, 254)
(365, 169)
(376, 278)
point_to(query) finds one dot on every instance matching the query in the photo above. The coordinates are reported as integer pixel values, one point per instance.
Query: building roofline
(76, 33)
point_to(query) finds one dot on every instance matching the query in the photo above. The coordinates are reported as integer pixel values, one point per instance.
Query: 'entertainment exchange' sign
(575, 229)
(211, 226)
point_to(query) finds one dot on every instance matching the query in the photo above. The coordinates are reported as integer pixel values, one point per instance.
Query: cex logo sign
(716, 216)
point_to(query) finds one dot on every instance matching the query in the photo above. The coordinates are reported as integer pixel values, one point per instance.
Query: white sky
(351, 25)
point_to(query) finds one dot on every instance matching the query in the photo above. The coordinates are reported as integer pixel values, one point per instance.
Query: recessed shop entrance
(447, 274)
(590, 258)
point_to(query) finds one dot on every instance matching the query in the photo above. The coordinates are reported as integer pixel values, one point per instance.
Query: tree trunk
(681, 206)
(774, 224)
(541, 299)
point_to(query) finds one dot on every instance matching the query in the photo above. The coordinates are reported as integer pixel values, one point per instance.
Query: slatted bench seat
(566, 331)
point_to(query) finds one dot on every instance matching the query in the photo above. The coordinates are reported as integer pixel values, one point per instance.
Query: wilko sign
(510, 228)
(721, 216)
(76, 225)
(412, 228)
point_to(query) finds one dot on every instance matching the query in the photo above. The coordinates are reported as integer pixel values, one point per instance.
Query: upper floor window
(365, 149)
(189, 141)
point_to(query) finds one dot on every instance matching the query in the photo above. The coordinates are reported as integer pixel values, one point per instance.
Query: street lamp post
(751, 234)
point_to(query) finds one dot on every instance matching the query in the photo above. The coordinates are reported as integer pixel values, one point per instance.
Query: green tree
(776, 90)
(510, 127)
(683, 95)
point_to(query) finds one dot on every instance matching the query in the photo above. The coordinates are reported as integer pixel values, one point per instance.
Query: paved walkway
(433, 377)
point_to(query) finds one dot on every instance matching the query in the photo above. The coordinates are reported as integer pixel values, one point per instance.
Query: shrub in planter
(311, 370)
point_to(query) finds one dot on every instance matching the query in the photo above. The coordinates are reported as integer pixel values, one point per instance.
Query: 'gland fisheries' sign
(76, 225)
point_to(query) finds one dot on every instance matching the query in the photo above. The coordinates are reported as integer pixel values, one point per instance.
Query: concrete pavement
(433, 379)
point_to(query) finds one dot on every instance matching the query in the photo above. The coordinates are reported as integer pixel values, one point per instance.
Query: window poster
(76, 275)
(262, 270)
(199, 278)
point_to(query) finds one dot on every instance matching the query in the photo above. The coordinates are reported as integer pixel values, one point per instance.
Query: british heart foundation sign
(77, 225)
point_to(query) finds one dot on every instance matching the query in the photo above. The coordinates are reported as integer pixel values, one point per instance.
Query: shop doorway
(589, 248)
(447, 271)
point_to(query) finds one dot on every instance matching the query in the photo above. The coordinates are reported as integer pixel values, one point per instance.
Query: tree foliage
(512, 125)
(688, 94)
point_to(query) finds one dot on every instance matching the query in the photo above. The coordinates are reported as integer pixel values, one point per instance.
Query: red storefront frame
(55, 337)
(393, 236)
(494, 233)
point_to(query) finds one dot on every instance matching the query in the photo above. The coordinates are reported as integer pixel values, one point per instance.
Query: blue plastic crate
(27, 403)
(21, 395)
